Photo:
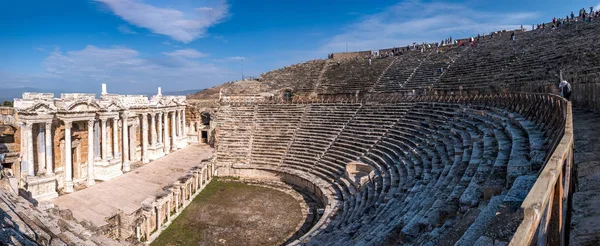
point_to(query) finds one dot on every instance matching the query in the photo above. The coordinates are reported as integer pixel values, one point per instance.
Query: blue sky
(137, 45)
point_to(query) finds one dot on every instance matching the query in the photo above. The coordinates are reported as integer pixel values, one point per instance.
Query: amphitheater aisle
(585, 223)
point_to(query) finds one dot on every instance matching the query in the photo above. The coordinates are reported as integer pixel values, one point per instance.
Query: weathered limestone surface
(23, 224)
(406, 172)
(128, 191)
(585, 221)
(72, 141)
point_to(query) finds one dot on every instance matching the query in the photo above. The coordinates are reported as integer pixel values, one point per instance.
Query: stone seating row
(531, 62)
(303, 76)
(435, 166)
(473, 151)
(352, 75)
(23, 224)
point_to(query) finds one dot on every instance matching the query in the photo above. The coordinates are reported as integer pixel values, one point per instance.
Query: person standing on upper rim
(565, 89)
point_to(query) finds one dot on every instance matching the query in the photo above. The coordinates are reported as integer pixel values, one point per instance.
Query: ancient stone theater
(469, 142)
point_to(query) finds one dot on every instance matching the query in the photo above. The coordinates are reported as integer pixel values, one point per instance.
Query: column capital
(68, 123)
(28, 125)
(48, 124)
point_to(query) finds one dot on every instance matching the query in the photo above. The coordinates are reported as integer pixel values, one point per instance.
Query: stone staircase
(585, 221)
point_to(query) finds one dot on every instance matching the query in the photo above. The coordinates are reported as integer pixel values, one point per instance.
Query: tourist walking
(565, 89)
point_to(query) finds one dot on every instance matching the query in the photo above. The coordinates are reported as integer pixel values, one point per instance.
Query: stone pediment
(82, 106)
(167, 101)
(111, 105)
(42, 108)
(173, 101)
(34, 107)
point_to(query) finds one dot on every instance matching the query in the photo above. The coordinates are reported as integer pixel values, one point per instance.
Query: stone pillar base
(181, 142)
(69, 187)
(193, 138)
(126, 166)
(106, 170)
(156, 152)
(40, 188)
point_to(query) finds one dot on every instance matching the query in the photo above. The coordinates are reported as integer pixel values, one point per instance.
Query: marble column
(41, 149)
(96, 137)
(104, 140)
(115, 137)
(201, 179)
(173, 132)
(179, 124)
(48, 142)
(29, 141)
(158, 209)
(90, 175)
(133, 142)
(166, 141)
(68, 156)
(145, 138)
(160, 131)
(125, 146)
(184, 131)
(153, 129)
(23, 154)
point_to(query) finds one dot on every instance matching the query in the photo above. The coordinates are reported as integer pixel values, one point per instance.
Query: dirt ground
(233, 213)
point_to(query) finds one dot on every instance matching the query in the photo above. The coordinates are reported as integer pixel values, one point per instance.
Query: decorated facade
(77, 139)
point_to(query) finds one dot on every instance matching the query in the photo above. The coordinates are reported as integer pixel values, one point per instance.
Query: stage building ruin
(70, 142)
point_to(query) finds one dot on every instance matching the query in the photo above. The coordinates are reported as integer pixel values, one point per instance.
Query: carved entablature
(135, 101)
(43, 107)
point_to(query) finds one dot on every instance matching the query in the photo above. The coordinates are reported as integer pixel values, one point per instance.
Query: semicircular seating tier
(406, 172)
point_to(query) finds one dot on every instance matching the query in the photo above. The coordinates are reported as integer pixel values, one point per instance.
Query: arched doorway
(287, 95)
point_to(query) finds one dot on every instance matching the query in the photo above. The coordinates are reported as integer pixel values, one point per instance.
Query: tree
(7, 104)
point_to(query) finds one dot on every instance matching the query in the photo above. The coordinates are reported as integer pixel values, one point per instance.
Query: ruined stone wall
(268, 175)
(586, 96)
(350, 55)
(79, 145)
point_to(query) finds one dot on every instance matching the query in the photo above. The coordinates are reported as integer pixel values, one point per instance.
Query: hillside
(530, 63)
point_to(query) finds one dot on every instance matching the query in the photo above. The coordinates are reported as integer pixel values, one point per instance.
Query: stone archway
(287, 94)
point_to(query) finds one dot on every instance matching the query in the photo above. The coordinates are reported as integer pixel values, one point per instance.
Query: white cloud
(231, 59)
(415, 21)
(220, 38)
(188, 53)
(236, 58)
(125, 29)
(126, 70)
(167, 21)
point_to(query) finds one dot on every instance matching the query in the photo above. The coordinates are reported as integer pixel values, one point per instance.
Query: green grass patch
(234, 213)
